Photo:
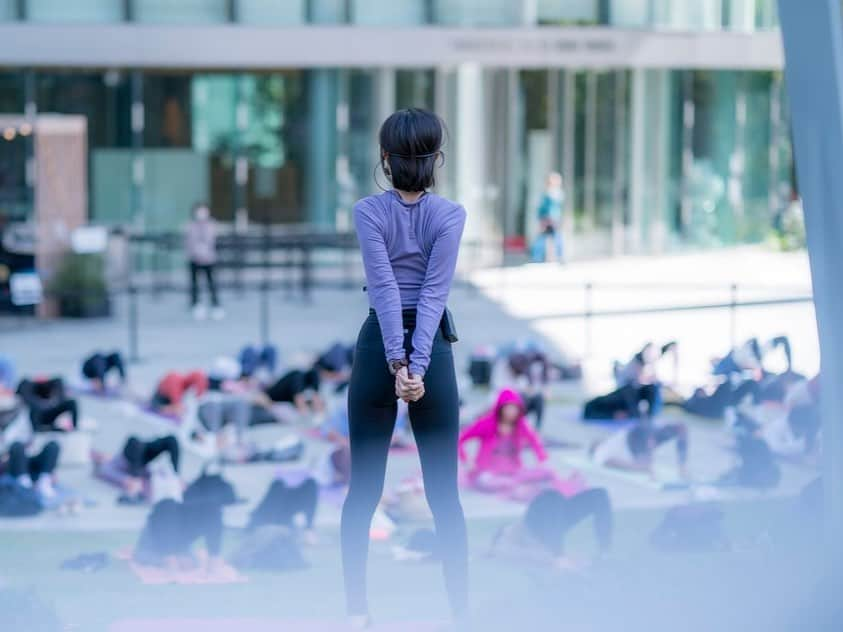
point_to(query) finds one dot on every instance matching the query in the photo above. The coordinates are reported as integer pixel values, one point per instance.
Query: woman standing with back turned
(409, 239)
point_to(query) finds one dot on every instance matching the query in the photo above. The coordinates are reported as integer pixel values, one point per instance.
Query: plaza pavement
(499, 306)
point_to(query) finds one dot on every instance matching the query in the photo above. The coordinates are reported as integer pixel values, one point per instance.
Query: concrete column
(813, 42)
(384, 100)
(321, 157)
(470, 150)
(688, 122)
(590, 170)
(619, 181)
(742, 15)
(569, 139)
(639, 137)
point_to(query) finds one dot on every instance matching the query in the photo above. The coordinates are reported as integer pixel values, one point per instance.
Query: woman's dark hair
(411, 144)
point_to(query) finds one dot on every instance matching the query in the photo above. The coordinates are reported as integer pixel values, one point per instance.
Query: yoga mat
(264, 625)
(155, 575)
(665, 480)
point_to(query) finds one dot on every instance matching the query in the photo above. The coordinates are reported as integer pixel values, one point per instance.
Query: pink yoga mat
(260, 625)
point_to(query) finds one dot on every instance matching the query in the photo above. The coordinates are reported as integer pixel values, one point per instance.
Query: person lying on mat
(539, 536)
(49, 404)
(503, 433)
(169, 394)
(301, 388)
(626, 402)
(633, 449)
(97, 366)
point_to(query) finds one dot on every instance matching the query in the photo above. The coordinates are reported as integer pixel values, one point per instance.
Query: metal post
(812, 33)
(589, 313)
(264, 288)
(136, 208)
(733, 315)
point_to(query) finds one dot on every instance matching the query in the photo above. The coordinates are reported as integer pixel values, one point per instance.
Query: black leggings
(534, 404)
(139, 453)
(551, 515)
(208, 271)
(42, 463)
(372, 409)
(97, 366)
(283, 503)
(727, 394)
(44, 417)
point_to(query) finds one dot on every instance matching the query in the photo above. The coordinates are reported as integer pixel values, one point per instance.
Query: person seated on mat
(97, 366)
(503, 433)
(283, 501)
(27, 466)
(169, 394)
(621, 404)
(258, 362)
(538, 538)
(633, 448)
(48, 404)
(174, 527)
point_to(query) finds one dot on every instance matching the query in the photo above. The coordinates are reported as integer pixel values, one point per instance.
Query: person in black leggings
(42, 464)
(283, 502)
(435, 422)
(409, 240)
(47, 400)
(539, 537)
(139, 453)
(97, 366)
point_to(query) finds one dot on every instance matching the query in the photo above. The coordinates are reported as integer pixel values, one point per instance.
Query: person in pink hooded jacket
(503, 434)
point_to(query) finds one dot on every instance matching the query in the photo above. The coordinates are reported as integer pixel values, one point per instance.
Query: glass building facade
(655, 157)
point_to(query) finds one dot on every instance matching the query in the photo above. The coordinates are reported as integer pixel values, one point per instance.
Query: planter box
(78, 307)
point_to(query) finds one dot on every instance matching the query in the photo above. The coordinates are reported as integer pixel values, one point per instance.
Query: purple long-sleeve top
(409, 254)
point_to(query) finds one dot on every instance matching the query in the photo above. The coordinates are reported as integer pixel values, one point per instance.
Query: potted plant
(80, 288)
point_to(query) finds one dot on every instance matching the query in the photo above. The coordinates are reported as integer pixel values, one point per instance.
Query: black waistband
(408, 316)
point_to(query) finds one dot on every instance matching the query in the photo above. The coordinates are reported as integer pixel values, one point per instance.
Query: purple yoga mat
(261, 625)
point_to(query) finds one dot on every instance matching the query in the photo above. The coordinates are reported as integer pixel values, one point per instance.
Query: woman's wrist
(397, 365)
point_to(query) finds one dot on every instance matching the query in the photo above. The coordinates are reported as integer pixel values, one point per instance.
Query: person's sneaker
(24, 480)
(199, 312)
(359, 622)
(218, 313)
(44, 486)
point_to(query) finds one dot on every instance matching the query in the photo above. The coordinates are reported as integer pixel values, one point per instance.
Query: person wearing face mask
(549, 245)
(201, 247)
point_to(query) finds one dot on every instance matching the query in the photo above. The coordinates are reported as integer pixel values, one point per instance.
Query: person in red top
(169, 394)
(503, 434)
